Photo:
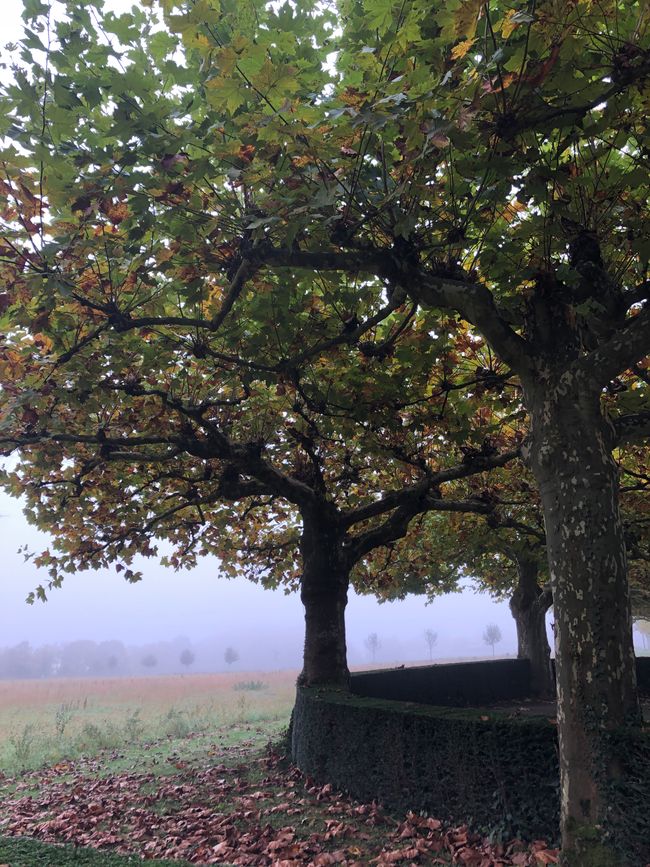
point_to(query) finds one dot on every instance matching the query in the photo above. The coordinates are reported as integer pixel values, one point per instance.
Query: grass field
(46, 721)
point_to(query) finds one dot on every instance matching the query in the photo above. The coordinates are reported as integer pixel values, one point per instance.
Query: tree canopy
(256, 252)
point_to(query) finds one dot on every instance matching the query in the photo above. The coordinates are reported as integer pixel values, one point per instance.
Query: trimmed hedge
(491, 768)
(457, 684)
(498, 773)
(462, 684)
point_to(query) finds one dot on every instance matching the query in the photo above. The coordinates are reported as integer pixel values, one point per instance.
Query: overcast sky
(200, 604)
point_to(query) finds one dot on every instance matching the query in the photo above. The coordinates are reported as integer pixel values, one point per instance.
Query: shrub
(250, 685)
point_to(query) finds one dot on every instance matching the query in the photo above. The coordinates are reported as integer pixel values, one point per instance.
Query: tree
(503, 553)
(149, 660)
(484, 165)
(17, 662)
(373, 644)
(492, 635)
(431, 639)
(114, 656)
(82, 658)
(187, 657)
(283, 451)
(230, 655)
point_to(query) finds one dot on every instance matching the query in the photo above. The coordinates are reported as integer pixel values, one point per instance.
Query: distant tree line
(85, 658)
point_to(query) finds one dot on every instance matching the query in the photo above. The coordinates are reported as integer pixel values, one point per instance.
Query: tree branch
(635, 426)
(245, 270)
(397, 524)
(70, 353)
(572, 114)
(405, 496)
(628, 345)
(475, 303)
(90, 439)
(472, 300)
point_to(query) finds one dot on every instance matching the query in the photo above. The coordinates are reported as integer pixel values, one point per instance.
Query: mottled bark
(570, 455)
(529, 604)
(324, 594)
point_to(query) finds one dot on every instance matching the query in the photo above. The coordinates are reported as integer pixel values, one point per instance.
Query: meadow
(46, 721)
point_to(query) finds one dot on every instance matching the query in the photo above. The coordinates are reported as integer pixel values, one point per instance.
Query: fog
(210, 613)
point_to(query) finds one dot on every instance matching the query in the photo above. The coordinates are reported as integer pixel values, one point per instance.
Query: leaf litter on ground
(237, 805)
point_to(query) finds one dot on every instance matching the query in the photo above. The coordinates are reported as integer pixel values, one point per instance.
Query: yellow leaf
(201, 41)
(511, 210)
(508, 25)
(43, 342)
(461, 49)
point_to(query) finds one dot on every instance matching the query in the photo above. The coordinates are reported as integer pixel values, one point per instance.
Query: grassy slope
(50, 721)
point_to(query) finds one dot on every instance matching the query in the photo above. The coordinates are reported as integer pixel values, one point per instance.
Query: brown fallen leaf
(547, 856)
(219, 814)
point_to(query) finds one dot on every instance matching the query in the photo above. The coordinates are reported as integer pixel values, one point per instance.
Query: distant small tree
(492, 635)
(231, 655)
(149, 661)
(373, 644)
(431, 639)
(187, 657)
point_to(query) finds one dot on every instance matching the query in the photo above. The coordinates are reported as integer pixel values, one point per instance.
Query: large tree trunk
(324, 594)
(570, 455)
(529, 604)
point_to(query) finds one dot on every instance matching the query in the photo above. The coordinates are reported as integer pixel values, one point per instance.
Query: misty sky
(201, 605)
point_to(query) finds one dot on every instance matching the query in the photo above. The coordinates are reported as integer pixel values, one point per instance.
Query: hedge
(456, 684)
(498, 773)
(492, 768)
(462, 684)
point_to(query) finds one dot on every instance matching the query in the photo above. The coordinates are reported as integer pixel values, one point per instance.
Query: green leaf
(379, 14)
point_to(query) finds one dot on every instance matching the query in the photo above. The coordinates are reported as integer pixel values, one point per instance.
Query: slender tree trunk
(324, 594)
(529, 604)
(570, 455)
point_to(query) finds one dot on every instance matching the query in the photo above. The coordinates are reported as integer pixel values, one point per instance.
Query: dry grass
(44, 721)
(158, 691)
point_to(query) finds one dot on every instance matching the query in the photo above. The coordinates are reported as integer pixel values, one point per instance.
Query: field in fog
(44, 721)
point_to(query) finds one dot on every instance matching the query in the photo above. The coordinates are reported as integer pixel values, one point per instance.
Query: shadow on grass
(22, 852)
